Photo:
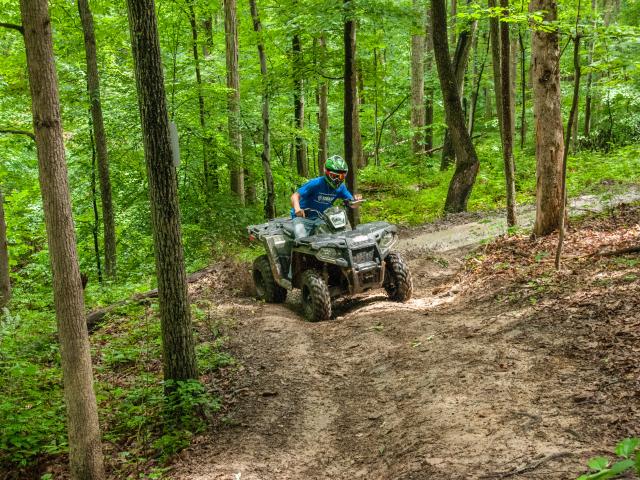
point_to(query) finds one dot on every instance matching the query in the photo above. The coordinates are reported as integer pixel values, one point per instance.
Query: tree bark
(350, 103)
(93, 87)
(428, 106)
(523, 84)
(323, 114)
(467, 165)
(298, 106)
(270, 204)
(494, 38)
(5, 280)
(233, 98)
(94, 203)
(588, 101)
(548, 120)
(460, 60)
(179, 360)
(85, 450)
(417, 80)
(201, 107)
(507, 116)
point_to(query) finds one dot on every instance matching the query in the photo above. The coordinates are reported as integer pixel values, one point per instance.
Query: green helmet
(335, 170)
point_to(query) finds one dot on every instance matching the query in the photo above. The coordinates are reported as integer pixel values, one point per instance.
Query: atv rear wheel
(316, 300)
(397, 278)
(266, 287)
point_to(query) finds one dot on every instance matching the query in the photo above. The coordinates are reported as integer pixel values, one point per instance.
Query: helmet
(335, 171)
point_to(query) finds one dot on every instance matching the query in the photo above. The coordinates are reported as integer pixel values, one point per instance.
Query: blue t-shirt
(319, 195)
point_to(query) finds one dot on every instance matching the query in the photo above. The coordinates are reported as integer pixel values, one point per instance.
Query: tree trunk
(298, 106)
(523, 83)
(5, 280)
(350, 103)
(507, 117)
(460, 60)
(417, 80)
(94, 203)
(93, 87)
(494, 38)
(323, 114)
(201, 108)
(358, 154)
(233, 98)
(571, 123)
(545, 55)
(270, 203)
(588, 99)
(175, 315)
(467, 165)
(428, 106)
(85, 450)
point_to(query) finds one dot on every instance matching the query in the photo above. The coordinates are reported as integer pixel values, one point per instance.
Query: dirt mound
(498, 367)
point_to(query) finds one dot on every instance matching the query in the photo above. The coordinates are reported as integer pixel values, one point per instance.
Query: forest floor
(499, 367)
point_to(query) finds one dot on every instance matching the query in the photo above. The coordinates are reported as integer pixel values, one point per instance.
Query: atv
(333, 261)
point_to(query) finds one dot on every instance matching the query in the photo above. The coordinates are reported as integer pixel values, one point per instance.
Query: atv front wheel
(397, 278)
(316, 300)
(266, 287)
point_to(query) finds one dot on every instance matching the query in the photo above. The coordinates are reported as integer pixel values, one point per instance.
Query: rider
(318, 194)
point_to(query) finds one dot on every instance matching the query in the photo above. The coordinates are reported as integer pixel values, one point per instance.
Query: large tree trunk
(298, 106)
(548, 120)
(588, 101)
(270, 204)
(233, 99)
(93, 86)
(5, 281)
(467, 165)
(323, 114)
(460, 60)
(85, 450)
(175, 315)
(507, 117)
(417, 80)
(350, 103)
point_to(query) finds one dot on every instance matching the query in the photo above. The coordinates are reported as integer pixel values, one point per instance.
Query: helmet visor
(336, 177)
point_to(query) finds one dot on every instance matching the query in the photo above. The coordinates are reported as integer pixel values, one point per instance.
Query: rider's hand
(357, 196)
(300, 213)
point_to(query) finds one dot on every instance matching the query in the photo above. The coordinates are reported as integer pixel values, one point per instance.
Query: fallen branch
(95, 317)
(613, 253)
(529, 467)
(18, 132)
(12, 27)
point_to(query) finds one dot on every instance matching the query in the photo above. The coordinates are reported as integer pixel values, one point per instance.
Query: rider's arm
(295, 203)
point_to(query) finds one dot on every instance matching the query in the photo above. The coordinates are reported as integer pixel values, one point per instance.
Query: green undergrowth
(414, 195)
(141, 426)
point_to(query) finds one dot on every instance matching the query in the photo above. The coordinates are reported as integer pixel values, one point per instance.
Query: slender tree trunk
(179, 359)
(350, 103)
(494, 35)
(460, 60)
(507, 116)
(233, 99)
(428, 106)
(573, 120)
(417, 80)
(94, 203)
(467, 164)
(93, 87)
(270, 203)
(207, 46)
(85, 450)
(5, 280)
(523, 83)
(548, 119)
(201, 108)
(588, 98)
(323, 113)
(298, 106)
(476, 91)
(358, 154)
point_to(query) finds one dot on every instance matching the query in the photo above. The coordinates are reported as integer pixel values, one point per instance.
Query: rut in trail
(451, 385)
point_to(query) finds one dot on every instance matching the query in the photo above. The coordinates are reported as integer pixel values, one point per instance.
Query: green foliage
(604, 468)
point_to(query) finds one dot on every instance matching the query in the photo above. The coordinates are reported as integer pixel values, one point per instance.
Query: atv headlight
(387, 240)
(328, 253)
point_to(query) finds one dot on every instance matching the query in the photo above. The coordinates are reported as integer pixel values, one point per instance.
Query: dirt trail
(446, 386)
